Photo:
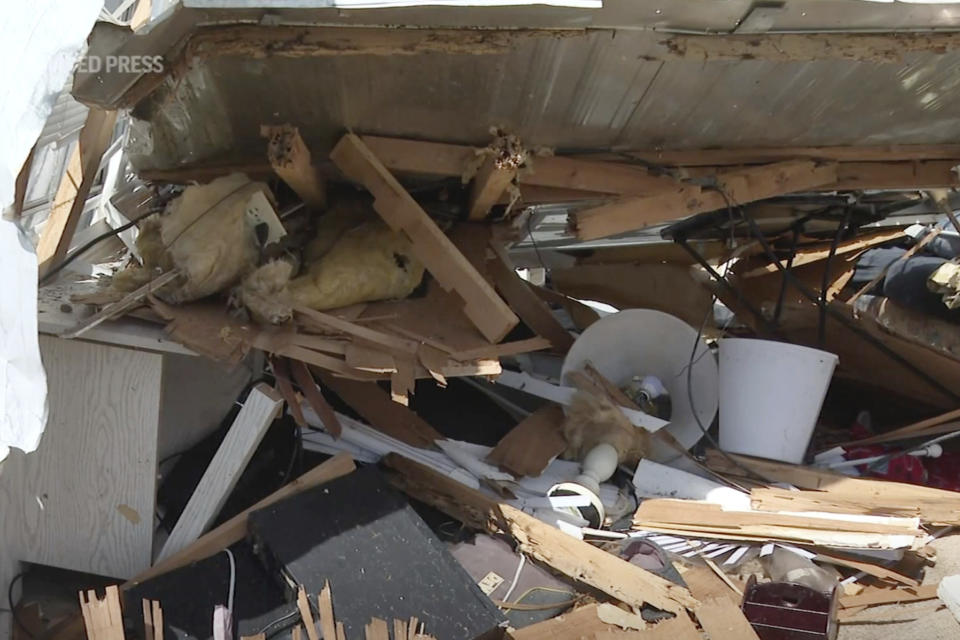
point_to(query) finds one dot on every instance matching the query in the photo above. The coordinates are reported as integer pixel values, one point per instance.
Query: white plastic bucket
(770, 397)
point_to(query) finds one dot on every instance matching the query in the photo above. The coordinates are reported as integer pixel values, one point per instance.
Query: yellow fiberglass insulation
(367, 263)
(208, 237)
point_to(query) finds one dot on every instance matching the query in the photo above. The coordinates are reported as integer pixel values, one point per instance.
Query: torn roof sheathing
(572, 79)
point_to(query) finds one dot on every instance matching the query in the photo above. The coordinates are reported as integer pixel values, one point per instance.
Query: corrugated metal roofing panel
(587, 92)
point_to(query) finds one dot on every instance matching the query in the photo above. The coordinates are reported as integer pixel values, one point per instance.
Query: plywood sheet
(85, 499)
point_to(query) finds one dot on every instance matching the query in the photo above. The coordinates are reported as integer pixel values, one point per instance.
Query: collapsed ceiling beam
(733, 188)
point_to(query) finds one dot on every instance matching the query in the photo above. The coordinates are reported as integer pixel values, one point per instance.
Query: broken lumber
(707, 520)
(375, 406)
(489, 184)
(934, 506)
(733, 188)
(530, 446)
(558, 172)
(574, 558)
(290, 159)
(503, 349)
(809, 256)
(532, 310)
(303, 377)
(874, 596)
(262, 406)
(441, 258)
(67, 207)
(101, 616)
(133, 299)
(908, 430)
(235, 528)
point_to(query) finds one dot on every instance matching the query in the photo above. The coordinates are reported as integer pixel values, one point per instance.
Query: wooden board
(57, 233)
(874, 596)
(234, 529)
(262, 406)
(665, 287)
(85, 499)
(815, 255)
(530, 446)
(928, 509)
(375, 406)
(737, 187)
(290, 159)
(401, 212)
(503, 349)
(488, 185)
(574, 558)
(936, 506)
(723, 620)
(441, 159)
(532, 310)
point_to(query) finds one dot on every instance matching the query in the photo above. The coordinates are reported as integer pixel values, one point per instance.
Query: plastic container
(770, 397)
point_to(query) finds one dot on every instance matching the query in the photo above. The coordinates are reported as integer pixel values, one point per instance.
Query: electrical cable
(13, 609)
(100, 238)
(822, 322)
(233, 580)
(536, 248)
(293, 614)
(516, 578)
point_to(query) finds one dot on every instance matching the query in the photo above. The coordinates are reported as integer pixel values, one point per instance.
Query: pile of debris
(601, 507)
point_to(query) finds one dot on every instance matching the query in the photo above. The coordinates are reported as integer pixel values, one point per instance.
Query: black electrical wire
(292, 614)
(824, 285)
(100, 238)
(13, 609)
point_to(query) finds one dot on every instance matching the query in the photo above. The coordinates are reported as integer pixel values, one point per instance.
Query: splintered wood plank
(723, 620)
(377, 629)
(530, 446)
(567, 555)
(503, 349)
(329, 627)
(157, 621)
(488, 185)
(815, 255)
(147, 619)
(735, 187)
(369, 359)
(400, 631)
(57, 233)
(263, 405)
(375, 406)
(402, 382)
(869, 568)
(532, 310)
(319, 404)
(874, 596)
(290, 159)
(303, 604)
(558, 172)
(341, 632)
(358, 331)
(285, 387)
(401, 212)
(234, 529)
(705, 584)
